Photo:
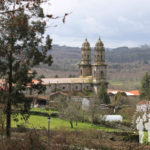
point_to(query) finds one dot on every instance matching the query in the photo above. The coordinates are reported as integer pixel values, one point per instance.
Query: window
(81, 72)
(94, 73)
(102, 74)
(101, 57)
(63, 88)
(76, 87)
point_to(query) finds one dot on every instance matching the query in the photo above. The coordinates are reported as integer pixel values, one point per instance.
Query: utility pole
(49, 117)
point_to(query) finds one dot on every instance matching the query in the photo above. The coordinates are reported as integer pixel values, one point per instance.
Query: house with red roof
(128, 93)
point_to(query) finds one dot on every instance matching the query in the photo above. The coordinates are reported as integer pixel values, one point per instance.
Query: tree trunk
(71, 123)
(76, 123)
(93, 116)
(114, 110)
(8, 125)
(8, 118)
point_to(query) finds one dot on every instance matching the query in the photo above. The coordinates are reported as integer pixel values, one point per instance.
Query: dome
(99, 44)
(86, 44)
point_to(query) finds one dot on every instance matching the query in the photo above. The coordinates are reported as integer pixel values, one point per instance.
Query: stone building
(90, 75)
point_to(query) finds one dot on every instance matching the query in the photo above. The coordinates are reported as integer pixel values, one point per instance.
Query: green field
(126, 84)
(40, 122)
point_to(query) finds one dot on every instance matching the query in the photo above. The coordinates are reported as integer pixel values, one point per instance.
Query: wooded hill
(125, 54)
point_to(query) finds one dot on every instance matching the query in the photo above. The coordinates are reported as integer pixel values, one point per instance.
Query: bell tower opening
(81, 72)
(102, 74)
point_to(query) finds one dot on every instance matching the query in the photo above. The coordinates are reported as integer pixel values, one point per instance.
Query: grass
(40, 122)
(116, 83)
(126, 84)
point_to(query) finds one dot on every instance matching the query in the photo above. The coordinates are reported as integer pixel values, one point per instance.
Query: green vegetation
(40, 122)
(22, 47)
(124, 84)
(102, 95)
(145, 87)
(145, 139)
(118, 100)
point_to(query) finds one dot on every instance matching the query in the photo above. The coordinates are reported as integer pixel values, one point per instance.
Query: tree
(2, 119)
(145, 87)
(22, 47)
(56, 76)
(102, 94)
(118, 100)
(69, 109)
(94, 110)
(71, 76)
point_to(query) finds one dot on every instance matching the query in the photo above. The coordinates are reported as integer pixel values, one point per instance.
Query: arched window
(102, 74)
(81, 72)
(94, 73)
(101, 57)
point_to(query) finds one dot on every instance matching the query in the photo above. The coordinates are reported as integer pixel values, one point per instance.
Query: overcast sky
(117, 22)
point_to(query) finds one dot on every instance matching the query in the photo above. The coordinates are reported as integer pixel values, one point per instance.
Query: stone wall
(69, 87)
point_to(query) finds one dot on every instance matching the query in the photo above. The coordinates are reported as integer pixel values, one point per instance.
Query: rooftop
(66, 80)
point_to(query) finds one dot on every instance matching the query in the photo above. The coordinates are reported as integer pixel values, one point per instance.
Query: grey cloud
(116, 21)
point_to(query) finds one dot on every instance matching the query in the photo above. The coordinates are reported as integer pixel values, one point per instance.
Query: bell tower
(99, 68)
(85, 68)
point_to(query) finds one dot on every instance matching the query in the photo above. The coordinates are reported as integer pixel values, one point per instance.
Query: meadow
(41, 122)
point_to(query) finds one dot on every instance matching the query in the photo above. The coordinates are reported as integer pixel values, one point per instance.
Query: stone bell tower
(85, 68)
(99, 68)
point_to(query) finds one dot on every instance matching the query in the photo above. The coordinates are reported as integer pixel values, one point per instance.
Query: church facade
(90, 75)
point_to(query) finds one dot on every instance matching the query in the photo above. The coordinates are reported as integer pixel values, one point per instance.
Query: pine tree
(145, 87)
(22, 47)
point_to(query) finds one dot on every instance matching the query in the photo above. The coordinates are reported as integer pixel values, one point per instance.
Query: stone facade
(99, 68)
(90, 75)
(85, 68)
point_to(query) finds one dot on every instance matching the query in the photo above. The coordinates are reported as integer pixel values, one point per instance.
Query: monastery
(90, 75)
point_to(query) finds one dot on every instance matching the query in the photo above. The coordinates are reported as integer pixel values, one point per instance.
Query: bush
(37, 113)
(145, 139)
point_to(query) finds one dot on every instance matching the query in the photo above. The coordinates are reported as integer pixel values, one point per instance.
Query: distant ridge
(117, 55)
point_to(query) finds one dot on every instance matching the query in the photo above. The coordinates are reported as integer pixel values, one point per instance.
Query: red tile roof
(135, 92)
(143, 102)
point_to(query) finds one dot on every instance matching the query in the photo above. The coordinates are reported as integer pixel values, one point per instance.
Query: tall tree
(22, 46)
(145, 87)
(102, 94)
(118, 100)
